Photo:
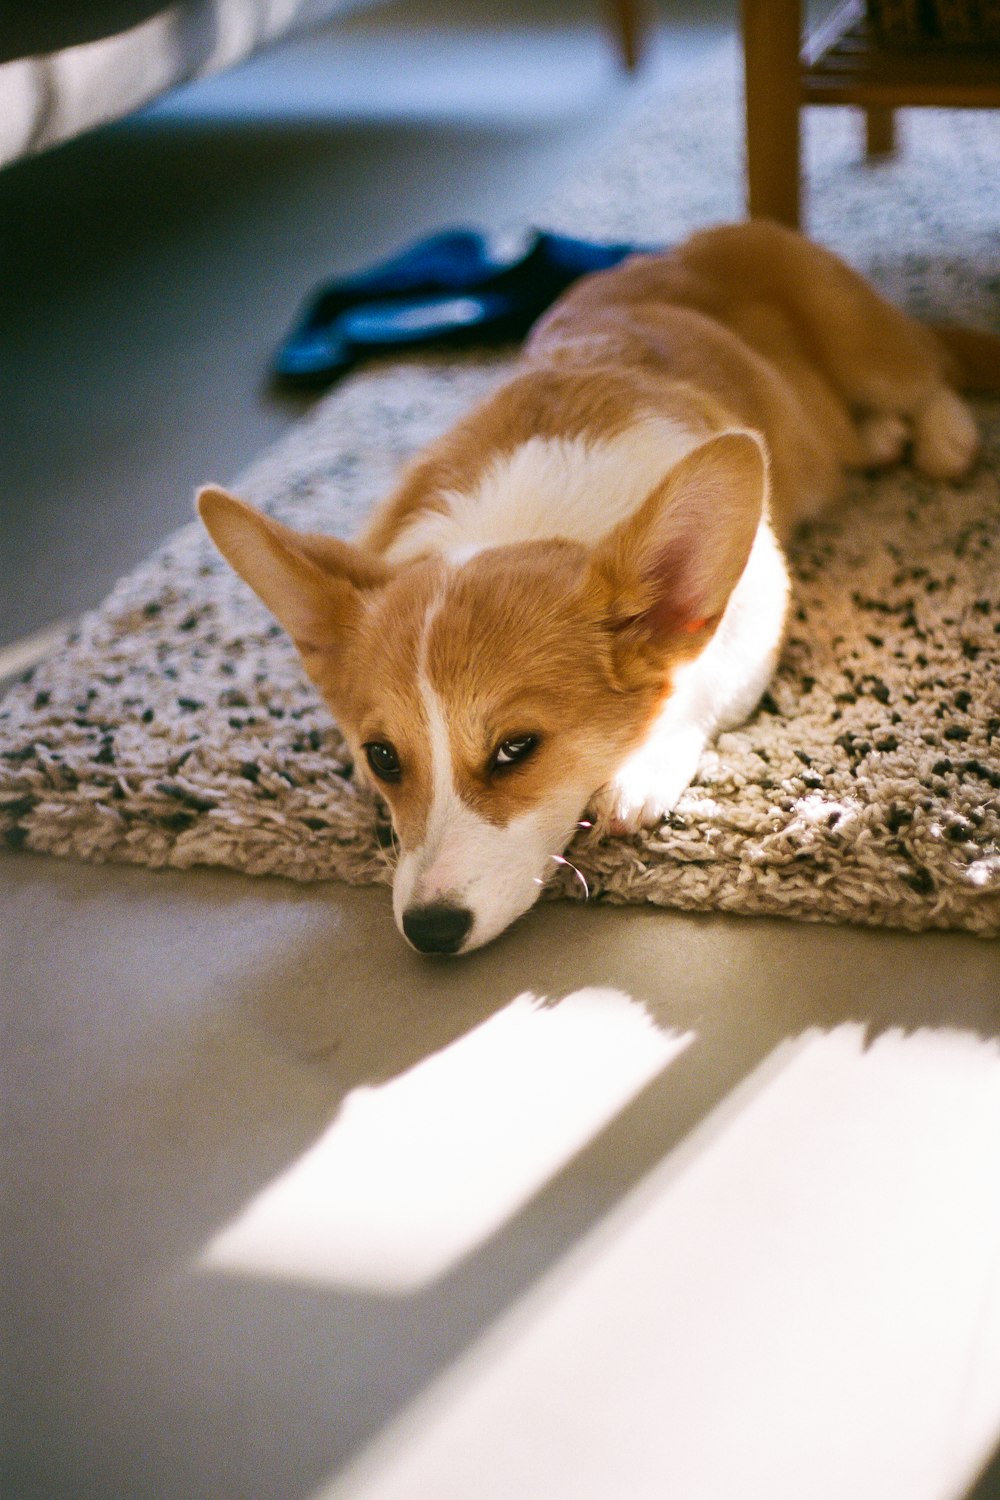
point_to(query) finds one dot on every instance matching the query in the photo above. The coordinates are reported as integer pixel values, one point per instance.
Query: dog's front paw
(647, 786)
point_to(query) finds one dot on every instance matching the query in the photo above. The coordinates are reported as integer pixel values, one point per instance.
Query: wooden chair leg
(772, 31)
(880, 131)
(628, 19)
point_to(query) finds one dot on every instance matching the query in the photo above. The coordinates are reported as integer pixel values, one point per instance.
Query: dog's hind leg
(889, 369)
(891, 372)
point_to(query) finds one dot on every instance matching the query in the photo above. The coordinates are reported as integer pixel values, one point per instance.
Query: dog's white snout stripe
(442, 865)
(447, 811)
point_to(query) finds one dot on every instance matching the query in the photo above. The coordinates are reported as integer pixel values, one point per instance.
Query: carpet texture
(174, 727)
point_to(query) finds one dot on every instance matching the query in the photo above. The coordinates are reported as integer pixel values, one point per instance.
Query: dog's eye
(511, 751)
(383, 760)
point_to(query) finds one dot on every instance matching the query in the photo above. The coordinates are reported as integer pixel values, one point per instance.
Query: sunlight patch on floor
(413, 1175)
(803, 1300)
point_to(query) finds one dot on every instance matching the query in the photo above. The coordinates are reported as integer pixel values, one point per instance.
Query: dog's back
(780, 308)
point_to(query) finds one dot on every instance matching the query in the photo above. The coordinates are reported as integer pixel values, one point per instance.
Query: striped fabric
(48, 97)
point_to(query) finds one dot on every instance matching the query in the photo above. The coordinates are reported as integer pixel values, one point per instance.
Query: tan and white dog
(571, 592)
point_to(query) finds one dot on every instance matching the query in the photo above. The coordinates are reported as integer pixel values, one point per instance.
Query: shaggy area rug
(174, 727)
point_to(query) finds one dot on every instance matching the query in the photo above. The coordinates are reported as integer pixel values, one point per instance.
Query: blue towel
(448, 288)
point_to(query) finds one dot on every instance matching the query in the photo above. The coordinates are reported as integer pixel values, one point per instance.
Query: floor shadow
(987, 1485)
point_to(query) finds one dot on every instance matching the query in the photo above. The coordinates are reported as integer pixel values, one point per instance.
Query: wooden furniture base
(842, 64)
(629, 20)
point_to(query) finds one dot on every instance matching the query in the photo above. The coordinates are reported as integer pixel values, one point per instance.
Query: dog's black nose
(437, 929)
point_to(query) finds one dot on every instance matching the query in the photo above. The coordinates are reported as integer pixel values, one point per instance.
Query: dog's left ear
(670, 568)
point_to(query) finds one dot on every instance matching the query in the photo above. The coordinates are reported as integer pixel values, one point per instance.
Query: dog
(583, 582)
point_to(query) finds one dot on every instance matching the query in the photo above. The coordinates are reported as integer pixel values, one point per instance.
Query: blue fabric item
(447, 288)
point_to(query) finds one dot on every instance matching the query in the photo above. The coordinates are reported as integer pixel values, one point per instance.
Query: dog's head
(489, 700)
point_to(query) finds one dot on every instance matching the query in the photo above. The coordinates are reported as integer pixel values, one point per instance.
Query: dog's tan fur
(588, 558)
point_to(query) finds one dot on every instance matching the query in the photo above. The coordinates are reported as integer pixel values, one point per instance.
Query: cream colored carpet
(174, 728)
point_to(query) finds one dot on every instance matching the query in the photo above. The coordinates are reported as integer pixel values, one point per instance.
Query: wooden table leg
(628, 19)
(772, 31)
(880, 131)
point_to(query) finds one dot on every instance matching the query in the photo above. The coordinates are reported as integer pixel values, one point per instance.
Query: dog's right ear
(312, 584)
(672, 565)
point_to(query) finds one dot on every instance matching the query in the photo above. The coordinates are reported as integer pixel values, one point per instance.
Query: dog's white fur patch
(716, 691)
(551, 487)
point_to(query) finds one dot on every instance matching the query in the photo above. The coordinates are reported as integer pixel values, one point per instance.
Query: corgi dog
(578, 586)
